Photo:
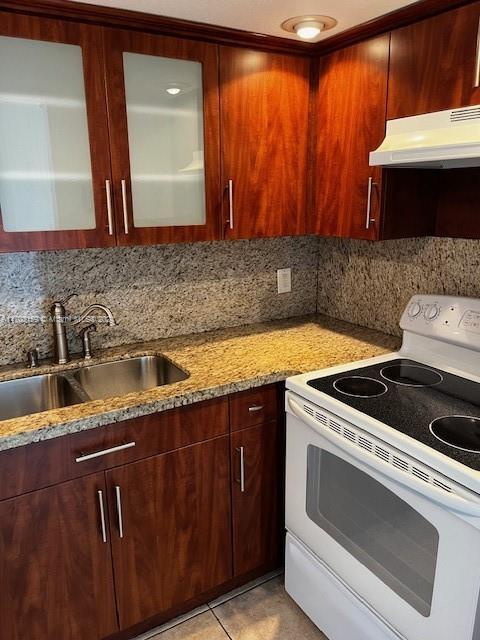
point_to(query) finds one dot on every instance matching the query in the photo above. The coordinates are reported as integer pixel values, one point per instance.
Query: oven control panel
(447, 318)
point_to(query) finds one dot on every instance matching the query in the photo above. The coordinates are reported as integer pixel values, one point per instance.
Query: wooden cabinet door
(264, 118)
(55, 161)
(256, 475)
(433, 64)
(176, 543)
(163, 109)
(55, 568)
(350, 122)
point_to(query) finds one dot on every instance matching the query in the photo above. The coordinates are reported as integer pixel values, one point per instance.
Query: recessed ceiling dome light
(308, 27)
(173, 91)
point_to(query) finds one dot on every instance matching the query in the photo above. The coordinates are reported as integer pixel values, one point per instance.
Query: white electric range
(383, 484)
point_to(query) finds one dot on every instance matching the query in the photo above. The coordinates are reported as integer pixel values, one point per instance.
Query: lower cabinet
(256, 465)
(187, 509)
(170, 528)
(55, 564)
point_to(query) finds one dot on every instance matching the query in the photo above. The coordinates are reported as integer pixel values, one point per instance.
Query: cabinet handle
(108, 189)
(118, 500)
(241, 481)
(476, 80)
(104, 452)
(369, 220)
(256, 407)
(102, 515)
(125, 208)
(230, 204)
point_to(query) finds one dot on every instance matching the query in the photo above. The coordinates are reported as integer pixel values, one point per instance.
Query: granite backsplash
(154, 292)
(171, 290)
(369, 283)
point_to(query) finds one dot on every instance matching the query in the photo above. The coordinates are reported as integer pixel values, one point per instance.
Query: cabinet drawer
(252, 407)
(47, 463)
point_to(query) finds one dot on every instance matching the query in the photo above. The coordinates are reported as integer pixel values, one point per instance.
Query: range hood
(442, 140)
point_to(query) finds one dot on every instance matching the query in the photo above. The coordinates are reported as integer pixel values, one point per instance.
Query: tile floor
(258, 611)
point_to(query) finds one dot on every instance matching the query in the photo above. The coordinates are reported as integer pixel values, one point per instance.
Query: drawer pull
(256, 407)
(104, 452)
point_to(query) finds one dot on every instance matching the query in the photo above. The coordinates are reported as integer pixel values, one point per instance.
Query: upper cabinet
(54, 157)
(352, 199)
(349, 123)
(163, 110)
(435, 64)
(264, 117)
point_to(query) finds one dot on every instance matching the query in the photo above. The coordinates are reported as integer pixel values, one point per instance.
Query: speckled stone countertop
(219, 362)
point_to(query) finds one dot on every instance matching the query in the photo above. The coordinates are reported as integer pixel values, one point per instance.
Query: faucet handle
(69, 297)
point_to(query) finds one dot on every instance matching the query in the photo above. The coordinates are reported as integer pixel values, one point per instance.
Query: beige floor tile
(266, 613)
(202, 627)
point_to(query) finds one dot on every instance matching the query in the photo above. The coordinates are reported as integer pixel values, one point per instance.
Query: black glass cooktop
(432, 406)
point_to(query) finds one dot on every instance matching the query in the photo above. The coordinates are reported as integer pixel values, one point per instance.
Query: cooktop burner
(411, 375)
(360, 387)
(462, 432)
(415, 397)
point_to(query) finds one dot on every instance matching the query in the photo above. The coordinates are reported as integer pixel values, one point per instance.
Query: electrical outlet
(284, 280)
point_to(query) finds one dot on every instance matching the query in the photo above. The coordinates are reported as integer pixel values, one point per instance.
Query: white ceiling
(262, 16)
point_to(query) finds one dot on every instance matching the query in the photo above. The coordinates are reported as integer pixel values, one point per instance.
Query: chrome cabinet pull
(241, 481)
(369, 220)
(256, 407)
(102, 515)
(104, 452)
(230, 204)
(125, 208)
(476, 80)
(118, 500)
(108, 189)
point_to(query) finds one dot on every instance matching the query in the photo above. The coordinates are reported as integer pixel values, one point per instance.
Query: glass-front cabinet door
(54, 154)
(164, 127)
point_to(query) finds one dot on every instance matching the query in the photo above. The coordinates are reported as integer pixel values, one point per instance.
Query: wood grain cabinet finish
(117, 44)
(174, 540)
(352, 199)
(264, 101)
(350, 122)
(89, 39)
(433, 64)
(254, 406)
(55, 568)
(256, 464)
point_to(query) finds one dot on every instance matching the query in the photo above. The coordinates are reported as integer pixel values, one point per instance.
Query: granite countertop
(219, 362)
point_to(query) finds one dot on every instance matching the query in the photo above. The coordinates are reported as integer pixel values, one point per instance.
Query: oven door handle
(451, 501)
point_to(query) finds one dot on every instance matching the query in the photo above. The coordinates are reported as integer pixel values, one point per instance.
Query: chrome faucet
(100, 307)
(60, 342)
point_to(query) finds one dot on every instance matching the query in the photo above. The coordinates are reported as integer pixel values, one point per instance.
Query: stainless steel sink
(113, 379)
(25, 396)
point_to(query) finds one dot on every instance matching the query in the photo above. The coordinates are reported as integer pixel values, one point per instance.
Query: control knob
(414, 309)
(432, 312)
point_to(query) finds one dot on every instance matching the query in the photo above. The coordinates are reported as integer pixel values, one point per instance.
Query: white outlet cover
(284, 280)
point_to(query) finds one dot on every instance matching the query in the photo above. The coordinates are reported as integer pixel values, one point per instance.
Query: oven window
(374, 525)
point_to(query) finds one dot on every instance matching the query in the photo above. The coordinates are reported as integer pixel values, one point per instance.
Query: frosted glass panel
(165, 135)
(374, 525)
(45, 171)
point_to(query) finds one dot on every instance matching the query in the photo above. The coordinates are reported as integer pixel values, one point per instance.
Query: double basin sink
(26, 396)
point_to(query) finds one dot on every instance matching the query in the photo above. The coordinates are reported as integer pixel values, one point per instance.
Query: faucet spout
(94, 307)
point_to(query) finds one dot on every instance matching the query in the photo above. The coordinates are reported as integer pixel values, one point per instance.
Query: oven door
(408, 548)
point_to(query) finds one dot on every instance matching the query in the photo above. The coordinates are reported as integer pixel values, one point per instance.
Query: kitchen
(206, 221)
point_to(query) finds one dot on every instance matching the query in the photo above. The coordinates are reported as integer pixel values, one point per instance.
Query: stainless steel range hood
(443, 140)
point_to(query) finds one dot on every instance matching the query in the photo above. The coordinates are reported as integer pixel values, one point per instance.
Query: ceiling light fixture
(308, 27)
(173, 91)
